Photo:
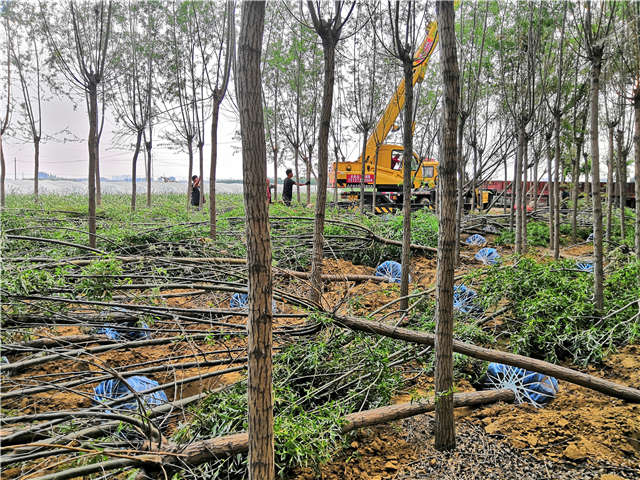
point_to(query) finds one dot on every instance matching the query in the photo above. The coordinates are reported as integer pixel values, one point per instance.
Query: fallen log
(562, 373)
(205, 450)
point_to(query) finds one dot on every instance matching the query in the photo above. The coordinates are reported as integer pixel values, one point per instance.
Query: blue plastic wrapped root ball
(390, 270)
(124, 333)
(585, 267)
(476, 239)
(113, 389)
(240, 301)
(464, 299)
(488, 256)
(530, 387)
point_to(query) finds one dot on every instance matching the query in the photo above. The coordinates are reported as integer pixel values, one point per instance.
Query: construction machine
(383, 163)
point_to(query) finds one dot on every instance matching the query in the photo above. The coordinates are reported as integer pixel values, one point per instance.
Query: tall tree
(329, 31)
(628, 64)
(27, 53)
(556, 108)
(81, 55)
(4, 121)
(254, 172)
(404, 29)
(132, 93)
(445, 428)
(470, 70)
(593, 39)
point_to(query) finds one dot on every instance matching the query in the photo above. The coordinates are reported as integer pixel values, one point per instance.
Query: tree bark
(3, 174)
(518, 180)
(329, 42)
(636, 142)
(363, 159)
(610, 163)
(445, 427)
(598, 272)
(93, 158)
(460, 168)
(213, 170)
(254, 167)
(407, 184)
(36, 166)
(622, 182)
(556, 190)
(190, 172)
(552, 199)
(147, 145)
(134, 173)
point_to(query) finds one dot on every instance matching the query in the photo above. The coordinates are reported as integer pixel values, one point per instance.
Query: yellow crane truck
(384, 162)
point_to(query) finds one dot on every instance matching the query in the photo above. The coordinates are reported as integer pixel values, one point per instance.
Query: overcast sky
(70, 159)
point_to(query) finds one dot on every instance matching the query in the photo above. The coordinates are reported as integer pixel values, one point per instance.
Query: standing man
(287, 189)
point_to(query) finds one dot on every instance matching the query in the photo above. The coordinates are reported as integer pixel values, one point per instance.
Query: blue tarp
(585, 266)
(122, 333)
(476, 239)
(531, 387)
(113, 389)
(488, 256)
(464, 298)
(390, 270)
(590, 237)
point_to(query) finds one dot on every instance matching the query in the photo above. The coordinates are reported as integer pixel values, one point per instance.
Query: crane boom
(395, 105)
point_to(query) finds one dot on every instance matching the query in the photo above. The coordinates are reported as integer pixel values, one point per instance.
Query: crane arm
(396, 103)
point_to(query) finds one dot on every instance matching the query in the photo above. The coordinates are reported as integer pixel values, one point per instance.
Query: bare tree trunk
(587, 182)
(296, 153)
(190, 174)
(518, 178)
(362, 173)
(147, 145)
(36, 166)
(3, 174)
(134, 173)
(556, 191)
(636, 142)
(375, 180)
(460, 205)
(598, 272)
(328, 47)
(575, 177)
(622, 181)
(308, 159)
(201, 169)
(536, 162)
(407, 184)
(512, 198)
(254, 169)
(275, 174)
(93, 157)
(525, 192)
(550, 196)
(473, 180)
(445, 426)
(610, 163)
(213, 170)
(504, 192)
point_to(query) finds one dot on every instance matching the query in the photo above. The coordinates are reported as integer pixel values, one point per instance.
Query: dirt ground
(581, 434)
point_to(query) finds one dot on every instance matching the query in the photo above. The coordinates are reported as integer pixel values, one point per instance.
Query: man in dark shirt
(287, 189)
